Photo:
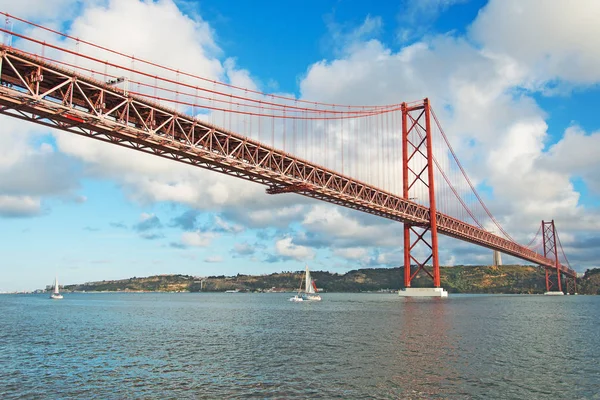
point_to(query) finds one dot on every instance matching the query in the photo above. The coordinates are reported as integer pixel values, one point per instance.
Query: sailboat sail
(314, 287)
(308, 284)
(55, 294)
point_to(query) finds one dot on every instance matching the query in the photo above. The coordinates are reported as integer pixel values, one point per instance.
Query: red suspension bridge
(394, 161)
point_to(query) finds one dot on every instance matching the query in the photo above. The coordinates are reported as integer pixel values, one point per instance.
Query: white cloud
(197, 239)
(154, 30)
(243, 249)
(42, 10)
(222, 225)
(31, 170)
(342, 229)
(342, 36)
(284, 247)
(19, 206)
(280, 217)
(392, 259)
(351, 253)
(145, 216)
(551, 39)
(577, 152)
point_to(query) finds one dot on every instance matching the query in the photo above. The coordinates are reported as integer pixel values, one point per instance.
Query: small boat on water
(310, 289)
(55, 294)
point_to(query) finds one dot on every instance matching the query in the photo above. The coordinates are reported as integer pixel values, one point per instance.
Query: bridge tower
(418, 169)
(571, 284)
(551, 251)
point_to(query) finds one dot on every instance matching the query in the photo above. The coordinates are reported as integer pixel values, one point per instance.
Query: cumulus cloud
(39, 172)
(243, 249)
(390, 259)
(351, 253)
(147, 222)
(220, 225)
(19, 206)
(197, 239)
(43, 10)
(149, 227)
(31, 169)
(278, 213)
(286, 249)
(576, 153)
(548, 40)
(338, 228)
(185, 221)
(150, 30)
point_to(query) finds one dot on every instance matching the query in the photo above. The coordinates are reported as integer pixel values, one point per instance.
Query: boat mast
(300, 288)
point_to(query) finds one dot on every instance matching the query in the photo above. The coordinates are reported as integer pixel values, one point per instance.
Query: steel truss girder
(301, 187)
(50, 95)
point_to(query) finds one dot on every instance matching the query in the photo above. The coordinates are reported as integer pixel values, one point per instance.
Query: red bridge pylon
(418, 169)
(551, 252)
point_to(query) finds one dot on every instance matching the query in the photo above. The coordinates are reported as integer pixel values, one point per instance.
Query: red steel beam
(432, 205)
(405, 194)
(46, 94)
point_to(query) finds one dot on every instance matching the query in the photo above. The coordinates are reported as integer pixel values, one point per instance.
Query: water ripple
(367, 346)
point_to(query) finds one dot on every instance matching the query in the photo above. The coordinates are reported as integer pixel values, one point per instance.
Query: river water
(349, 346)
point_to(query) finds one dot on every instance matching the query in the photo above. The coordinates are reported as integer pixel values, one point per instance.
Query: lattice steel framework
(46, 94)
(571, 282)
(551, 251)
(416, 144)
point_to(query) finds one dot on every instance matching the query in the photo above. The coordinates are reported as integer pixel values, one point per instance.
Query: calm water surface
(371, 346)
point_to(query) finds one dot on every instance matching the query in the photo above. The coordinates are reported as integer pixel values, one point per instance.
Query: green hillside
(457, 279)
(590, 283)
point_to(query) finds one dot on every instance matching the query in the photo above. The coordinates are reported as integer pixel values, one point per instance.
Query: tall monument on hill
(497, 258)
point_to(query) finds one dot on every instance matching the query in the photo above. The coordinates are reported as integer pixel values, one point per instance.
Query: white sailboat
(55, 294)
(310, 290)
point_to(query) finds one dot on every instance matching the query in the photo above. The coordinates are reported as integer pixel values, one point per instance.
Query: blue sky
(523, 92)
(306, 32)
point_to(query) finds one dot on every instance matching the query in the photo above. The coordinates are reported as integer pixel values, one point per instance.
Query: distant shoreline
(269, 293)
(508, 279)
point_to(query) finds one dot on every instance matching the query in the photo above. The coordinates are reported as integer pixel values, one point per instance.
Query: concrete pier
(423, 292)
(554, 294)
